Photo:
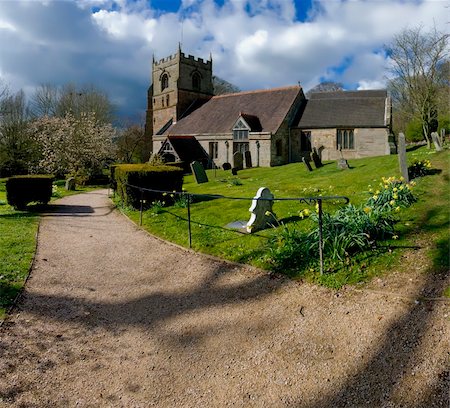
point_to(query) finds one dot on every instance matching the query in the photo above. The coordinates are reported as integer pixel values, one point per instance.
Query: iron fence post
(189, 219)
(140, 213)
(319, 203)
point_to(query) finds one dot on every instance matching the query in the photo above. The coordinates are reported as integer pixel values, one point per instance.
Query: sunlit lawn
(209, 217)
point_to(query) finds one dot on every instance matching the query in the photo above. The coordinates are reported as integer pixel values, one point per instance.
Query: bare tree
(131, 145)
(327, 86)
(416, 75)
(16, 148)
(222, 87)
(50, 100)
(44, 101)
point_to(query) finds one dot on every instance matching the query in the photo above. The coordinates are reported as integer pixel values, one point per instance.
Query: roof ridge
(298, 87)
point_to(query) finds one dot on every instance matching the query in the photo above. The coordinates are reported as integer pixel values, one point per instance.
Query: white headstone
(261, 210)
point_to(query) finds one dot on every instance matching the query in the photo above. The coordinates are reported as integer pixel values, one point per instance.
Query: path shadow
(70, 210)
(375, 382)
(154, 309)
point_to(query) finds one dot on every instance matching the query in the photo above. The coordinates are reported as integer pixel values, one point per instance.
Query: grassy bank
(428, 218)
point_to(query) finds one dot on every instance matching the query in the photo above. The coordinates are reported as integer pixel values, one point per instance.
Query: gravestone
(226, 166)
(70, 184)
(234, 171)
(316, 159)
(199, 172)
(342, 164)
(436, 141)
(307, 164)
(261, 210)
(402, 157)
(248, 159)
(238, 161)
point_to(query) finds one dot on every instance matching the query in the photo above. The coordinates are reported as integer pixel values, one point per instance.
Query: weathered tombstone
(238, 161)
(261, 210)
(248, 159)
(307, 165)
(342, 164)
(316, 159)
(226, 166)
(70, 184)
(436, 141)
(234, 171)
(402, 157)
(199, 172)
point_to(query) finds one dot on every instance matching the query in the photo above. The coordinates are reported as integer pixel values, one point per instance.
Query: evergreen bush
(22, 190)
(162, 178)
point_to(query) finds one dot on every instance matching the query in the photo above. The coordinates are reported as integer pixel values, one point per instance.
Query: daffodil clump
(391, 194)
(419, 168)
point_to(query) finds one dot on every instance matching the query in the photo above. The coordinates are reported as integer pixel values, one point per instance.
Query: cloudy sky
(254, 43)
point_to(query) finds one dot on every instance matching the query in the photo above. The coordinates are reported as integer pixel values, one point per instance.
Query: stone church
(269, 127)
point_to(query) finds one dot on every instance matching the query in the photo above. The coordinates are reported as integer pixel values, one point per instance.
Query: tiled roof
(220, 113)
(344, 109)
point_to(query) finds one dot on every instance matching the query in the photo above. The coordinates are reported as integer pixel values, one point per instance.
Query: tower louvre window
(196, 81)
(164, 82)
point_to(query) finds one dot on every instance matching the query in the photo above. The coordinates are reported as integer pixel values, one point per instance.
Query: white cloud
(255, 43)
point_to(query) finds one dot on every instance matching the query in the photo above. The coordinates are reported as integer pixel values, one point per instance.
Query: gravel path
(112, 317)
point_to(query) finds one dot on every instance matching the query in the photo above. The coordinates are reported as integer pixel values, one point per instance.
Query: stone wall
(368, 142)
(284, 141)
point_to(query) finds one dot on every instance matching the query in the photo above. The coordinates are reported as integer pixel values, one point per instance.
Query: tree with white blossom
(72, 145)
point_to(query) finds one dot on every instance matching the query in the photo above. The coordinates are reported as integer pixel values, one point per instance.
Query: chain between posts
(307, 200)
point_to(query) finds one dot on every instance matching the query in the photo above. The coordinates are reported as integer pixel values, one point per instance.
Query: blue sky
(254, 43)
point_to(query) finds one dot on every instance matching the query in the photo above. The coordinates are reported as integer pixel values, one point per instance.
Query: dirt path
(113, 317)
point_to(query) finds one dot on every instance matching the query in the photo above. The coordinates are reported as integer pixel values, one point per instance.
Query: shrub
(289, 250)
(161, 178)
(22, 190)
(352, 229)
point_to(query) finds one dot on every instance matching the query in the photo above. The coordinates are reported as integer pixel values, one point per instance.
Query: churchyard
(425, 222)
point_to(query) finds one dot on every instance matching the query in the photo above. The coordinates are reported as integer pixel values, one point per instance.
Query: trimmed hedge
(22, 190)
(162, 178)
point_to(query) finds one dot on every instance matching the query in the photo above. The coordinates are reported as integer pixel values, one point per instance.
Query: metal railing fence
(189, 196)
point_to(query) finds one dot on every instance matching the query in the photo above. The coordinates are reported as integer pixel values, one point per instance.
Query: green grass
(428, 217)
(17, 244)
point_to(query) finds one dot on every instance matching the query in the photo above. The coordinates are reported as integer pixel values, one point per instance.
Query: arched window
(196, 81)
(164, 82)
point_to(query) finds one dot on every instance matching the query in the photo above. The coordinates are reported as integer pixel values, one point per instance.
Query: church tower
(180, 84)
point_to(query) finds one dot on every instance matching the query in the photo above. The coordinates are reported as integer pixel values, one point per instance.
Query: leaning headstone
(436, 141)
(342, 164)
(402, 157)
(70, 184)
(199, 172)
(238, 161)
(248, 159)
(307, 164)
(226, 166)
(316, 159)
(261, 210)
